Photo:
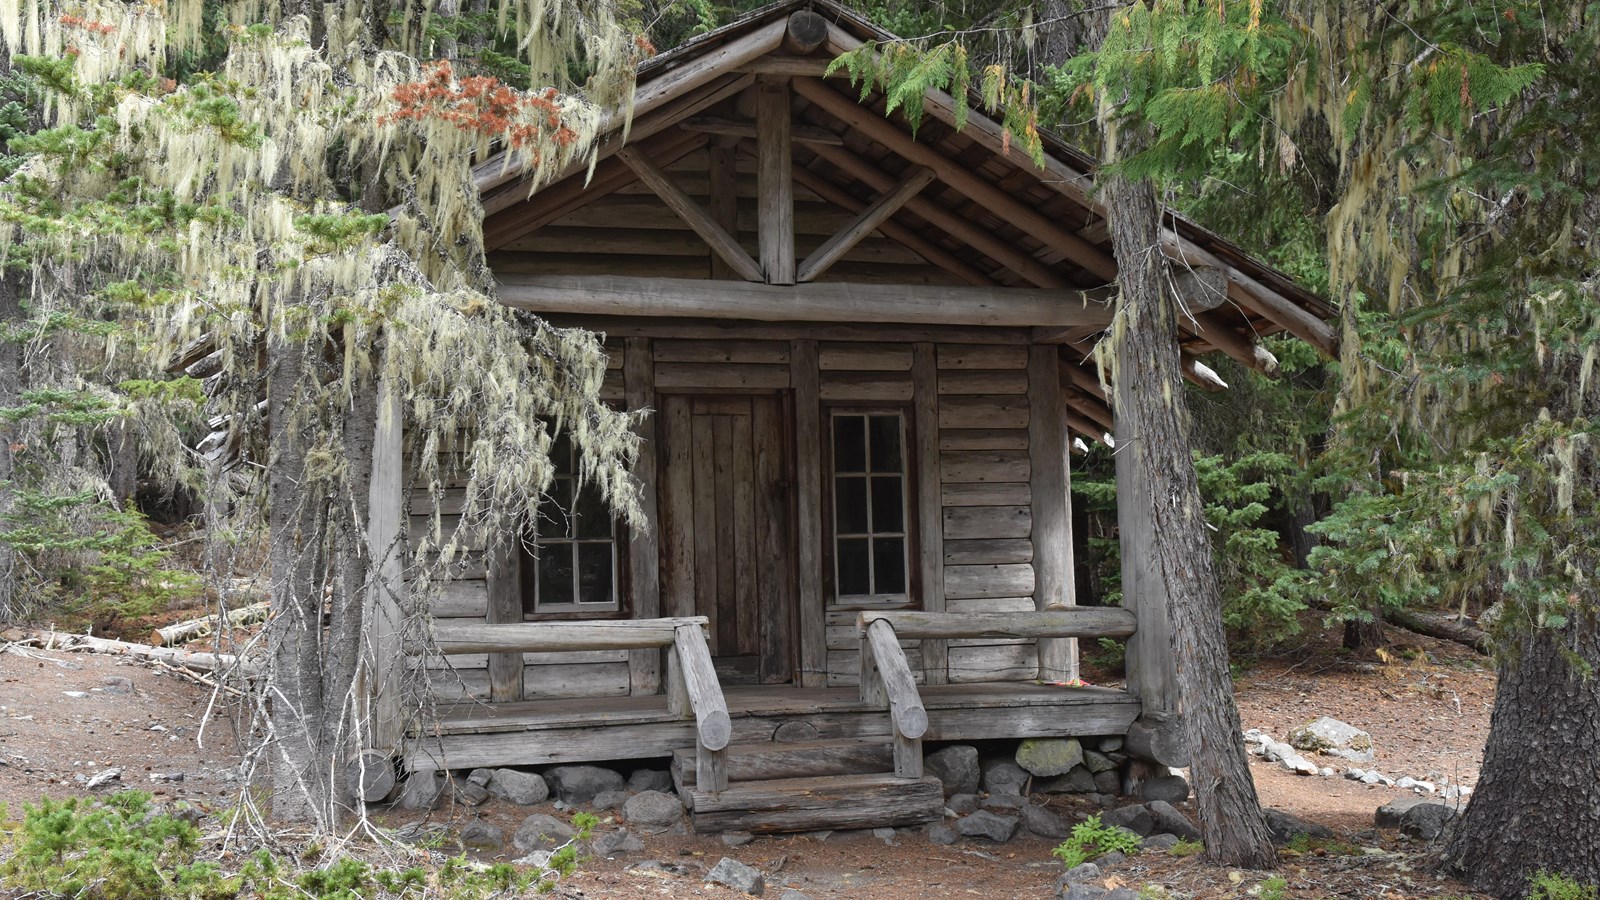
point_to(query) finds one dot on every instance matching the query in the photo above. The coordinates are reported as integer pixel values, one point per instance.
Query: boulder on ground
(1426, 821)
(482, 835)
(1002, 776)
(1171, 788)
(1169, 821)
(542, 832)
(1136, 818)
(578, 785)
(1108, 782)
(1159, 842)
(1332, 737)
(1004, 801)
(642, 780)
(652, 810)
(957, 767)
(614, 843)
(521, 788)
(468, 793)
(1045, 757)
(1284, 827)
(988, 825)
(942, 835)
(422, 790)
(1044, 823)
(732, 873)
(1078, 781)
(1098, 762)
(961, 804)
(1390, 814)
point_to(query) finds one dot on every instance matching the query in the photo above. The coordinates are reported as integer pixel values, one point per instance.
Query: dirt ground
(66, 717)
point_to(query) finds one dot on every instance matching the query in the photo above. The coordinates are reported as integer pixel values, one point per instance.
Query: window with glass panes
(869, 506)
(574, 566)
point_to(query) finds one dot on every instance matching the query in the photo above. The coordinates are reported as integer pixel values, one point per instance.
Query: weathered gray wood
(705, 692)
(905, 704)
(983, 439)
(774, 163)
(1012, 580)
(720, 241)
(644, 564)
(774, 541)
(961, 411)
(981, 381)
(1079, 621)
(865, 357)
(990, 552)
(982, 356)
(370, 775)
(870, 680)
(986, 494)
(1054, 587)
(930, 533)
(505, 607)
(534, 637)
(802, 759)
(728, 376)
(714, 329)
(1151, 673)
(994, 466)
(993, 662)
(907, 756)
(677, 546)
(963, 523)
(710, 767)
(461, 600)
(808, 512)
(806, 32)
(382, 652)
(839, 302)
(866, 386)
(726, 351)
(1158, 741)
(865, 223)
(800, 134)
(809, 804)
(678, 702)
(722, 180)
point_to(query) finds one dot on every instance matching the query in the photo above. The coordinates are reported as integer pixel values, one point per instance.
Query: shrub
(1091, 840)
(1555, 886)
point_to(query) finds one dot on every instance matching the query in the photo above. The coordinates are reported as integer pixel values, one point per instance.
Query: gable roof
(991, 217)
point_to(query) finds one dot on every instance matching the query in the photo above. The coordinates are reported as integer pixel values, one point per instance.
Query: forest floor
(66, 717)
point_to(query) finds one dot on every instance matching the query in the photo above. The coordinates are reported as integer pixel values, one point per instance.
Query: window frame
(618, 608)
(908, 501)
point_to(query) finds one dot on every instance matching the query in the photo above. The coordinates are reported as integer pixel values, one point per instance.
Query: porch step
(817, 803)
(801, 759)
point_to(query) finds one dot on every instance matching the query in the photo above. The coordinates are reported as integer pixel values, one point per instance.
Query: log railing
(692, 688)
(886, 680)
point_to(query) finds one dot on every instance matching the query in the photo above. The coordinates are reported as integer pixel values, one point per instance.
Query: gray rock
(1283, 827)
(1002, 776)
(1081, 873)
(652, 810)
(1110, 743)
(1108, 782)
(736, 838)
(1412, 784)
(1169, 821)
(537, 859)
(542, 832)
(988, 825)
(1045, 757)
(521, 788)
(116, 684)
(1112, 858)
(609, 800)
(578, 785)
(617, 842)
(1120, 894)
(481, 777)
(1171, 788)
(1098, 762)
(482, 835)
(422, 790)
(1004, 801)
(1083, 892)
(884, 834)
(957, 767)
(1326, 772)
(667, 868)
(1298, 764)
(1077, 781)
(1135, 818)
(792, 894)
(961, 804)
(1355, 774)
(1160, 843)
(1392, 813)
(942, 835)
(737, 875)
(650, 780)
(1044, 823)
(1327, 735)
(1426, 821)
(468, 793)
(1373, 776)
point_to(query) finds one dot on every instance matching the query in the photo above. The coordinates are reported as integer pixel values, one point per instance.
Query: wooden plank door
(727, 548)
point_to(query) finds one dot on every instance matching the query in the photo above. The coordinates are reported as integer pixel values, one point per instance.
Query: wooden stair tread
(767, 760)
(820, 802)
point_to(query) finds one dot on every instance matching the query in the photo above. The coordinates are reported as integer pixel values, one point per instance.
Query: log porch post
(1054, 586)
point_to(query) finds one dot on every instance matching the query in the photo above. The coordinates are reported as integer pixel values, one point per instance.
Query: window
(869, 507)
(574, 562)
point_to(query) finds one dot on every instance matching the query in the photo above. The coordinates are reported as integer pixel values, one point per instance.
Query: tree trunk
(301, 786)
(12, 286)
(1537, 804)
(1365, 635)
(1150, 383)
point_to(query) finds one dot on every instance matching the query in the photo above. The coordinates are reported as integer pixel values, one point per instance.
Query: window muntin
(575, 543)
(870, 560)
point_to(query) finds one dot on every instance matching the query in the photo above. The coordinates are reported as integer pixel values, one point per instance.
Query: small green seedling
(1091, 840)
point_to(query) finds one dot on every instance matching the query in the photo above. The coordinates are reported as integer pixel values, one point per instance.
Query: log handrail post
(693, 670)
(887, 683)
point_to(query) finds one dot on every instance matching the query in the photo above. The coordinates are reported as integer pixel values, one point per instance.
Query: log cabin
(865, 350)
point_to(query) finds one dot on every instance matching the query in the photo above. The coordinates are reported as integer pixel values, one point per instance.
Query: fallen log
(182, 632)
(198, 661)
(1445, 628)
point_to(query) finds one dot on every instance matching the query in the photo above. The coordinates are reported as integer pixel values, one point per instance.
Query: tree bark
(1365, 635)
(1150, 384)
(1537, 804)
(301, 789)
(13, 286)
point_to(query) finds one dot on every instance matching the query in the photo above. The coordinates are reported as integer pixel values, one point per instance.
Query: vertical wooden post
(504, 575)
(930, 512)
(644, 572)
(804, 374)
(1152, 675)
(1052, 507)
(383, 655)
(723, 183)
(775, 179)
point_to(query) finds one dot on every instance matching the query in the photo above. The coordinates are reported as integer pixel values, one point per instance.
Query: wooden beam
(930, 518)
(1201, 374)
(644, 565)
(748, 330)
(1077, 621)
(802, 134)
(806, 31)
(1086, 427)
(816, 302)
(1256, 296)
(1151, 671)
(696, 218)
(1052, 507)
(902, 235)
(1215, 330)
(382, 658)
(504, 576)
(775, 180)
(950, 223)
(722, 180)
(806, 377)
(974, 187)
(1082, 379)
(864, 224)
